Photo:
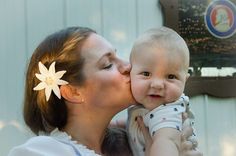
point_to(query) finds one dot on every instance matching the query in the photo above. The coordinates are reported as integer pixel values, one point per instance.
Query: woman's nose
(124, 67)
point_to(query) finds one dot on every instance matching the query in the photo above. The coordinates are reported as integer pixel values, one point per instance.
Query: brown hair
(63, 47)
(116, 143)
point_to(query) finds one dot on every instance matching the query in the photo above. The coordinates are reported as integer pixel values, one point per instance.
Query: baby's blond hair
(163, 38)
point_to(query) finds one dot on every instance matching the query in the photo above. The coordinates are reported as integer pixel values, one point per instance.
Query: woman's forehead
(95, 47)
(95, 41)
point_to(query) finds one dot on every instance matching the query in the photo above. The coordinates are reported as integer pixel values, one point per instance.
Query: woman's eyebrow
(108, 54)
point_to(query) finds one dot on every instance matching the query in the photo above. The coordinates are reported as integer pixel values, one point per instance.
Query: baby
(160, 61)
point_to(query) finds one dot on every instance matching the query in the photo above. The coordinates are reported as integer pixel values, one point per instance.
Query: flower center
(49, 81)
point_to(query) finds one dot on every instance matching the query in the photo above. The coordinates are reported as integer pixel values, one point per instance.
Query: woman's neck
(88, 129)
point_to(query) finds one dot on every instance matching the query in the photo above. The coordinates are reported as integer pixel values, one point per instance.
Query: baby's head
(160, 61)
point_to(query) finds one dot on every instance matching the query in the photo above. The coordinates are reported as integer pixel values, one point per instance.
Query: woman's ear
(71, 94)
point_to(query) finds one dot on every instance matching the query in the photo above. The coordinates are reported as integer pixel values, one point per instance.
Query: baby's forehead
(150, 54)
(168, 48)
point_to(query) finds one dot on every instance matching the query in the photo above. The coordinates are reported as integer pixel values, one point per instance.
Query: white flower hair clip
(50, 80)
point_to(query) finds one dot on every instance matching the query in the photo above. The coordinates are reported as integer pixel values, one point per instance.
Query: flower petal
(40, 86)
(61, 82)
(43, 70)
(52, 68)
(60, 74)
(40, 77)
(48, 91)
(50, 80)
(56, 90)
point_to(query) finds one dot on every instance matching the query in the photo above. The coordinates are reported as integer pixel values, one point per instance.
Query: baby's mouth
(155, 96)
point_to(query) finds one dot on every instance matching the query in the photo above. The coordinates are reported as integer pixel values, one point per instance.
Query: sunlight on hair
(228, 145)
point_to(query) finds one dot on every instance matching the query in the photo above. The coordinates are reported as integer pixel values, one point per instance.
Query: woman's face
(107, 80)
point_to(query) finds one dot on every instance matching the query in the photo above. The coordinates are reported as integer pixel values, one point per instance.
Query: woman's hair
(63, 47)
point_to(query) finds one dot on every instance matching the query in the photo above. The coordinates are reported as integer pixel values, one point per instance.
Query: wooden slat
(85, 13)
(119, 23)
(12, 67)
(149, 15)
(43, 18)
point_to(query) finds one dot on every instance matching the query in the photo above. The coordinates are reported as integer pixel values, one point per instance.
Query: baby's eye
(172, 76)
(147, 74)
(108, 66)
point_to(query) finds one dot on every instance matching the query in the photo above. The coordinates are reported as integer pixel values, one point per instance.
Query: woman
(94, 86)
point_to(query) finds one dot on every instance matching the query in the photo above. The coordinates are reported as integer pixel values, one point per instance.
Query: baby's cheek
(175, 94)
(137, 93)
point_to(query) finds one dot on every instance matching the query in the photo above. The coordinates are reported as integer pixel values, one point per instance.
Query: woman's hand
(188, 147)
(147, 136)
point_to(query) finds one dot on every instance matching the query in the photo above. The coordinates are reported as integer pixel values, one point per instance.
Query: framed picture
(208, 27)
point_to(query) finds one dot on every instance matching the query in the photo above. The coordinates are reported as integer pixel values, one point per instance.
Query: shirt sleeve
(24, 151)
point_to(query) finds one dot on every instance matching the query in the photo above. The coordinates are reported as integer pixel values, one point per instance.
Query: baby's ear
(71, 94)
(187, 76)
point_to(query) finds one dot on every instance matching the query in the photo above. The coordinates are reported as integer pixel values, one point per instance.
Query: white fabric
(167, 115)
(56, 144)
(135, 136)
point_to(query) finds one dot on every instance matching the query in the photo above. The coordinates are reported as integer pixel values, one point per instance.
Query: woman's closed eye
(108, 66)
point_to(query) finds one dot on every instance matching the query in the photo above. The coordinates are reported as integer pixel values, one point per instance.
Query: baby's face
(157, 76)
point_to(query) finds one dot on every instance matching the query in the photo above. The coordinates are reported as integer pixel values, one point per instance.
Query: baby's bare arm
(166, 142)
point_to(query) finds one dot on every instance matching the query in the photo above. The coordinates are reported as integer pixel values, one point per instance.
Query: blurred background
(212, 88)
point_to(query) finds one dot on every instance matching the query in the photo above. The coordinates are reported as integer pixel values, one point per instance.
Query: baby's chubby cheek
(137, 93)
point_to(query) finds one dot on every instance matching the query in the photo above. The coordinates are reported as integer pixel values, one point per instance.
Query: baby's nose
(157, 83)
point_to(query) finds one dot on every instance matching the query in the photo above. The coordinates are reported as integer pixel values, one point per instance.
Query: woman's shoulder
(41, 145)
(57, 143)
(40, 141)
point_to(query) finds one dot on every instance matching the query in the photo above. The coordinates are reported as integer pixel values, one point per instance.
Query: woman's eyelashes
(108, 66)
